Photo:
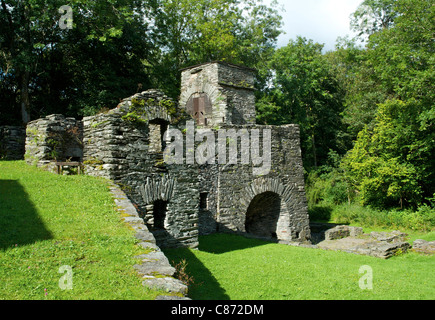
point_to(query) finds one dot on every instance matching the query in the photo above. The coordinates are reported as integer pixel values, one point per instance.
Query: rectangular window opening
(203, 201)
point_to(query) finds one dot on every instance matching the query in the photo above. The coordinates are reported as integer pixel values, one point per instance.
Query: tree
(393, 163)
(373, 16)
(241, 32)
(304, 92)
(41, 59)
(361, 90)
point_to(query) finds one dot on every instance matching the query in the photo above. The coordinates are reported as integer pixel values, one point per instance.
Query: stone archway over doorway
(263, 214)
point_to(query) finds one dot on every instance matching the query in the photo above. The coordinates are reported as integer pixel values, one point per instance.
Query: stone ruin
(180, 201)
(12, 142)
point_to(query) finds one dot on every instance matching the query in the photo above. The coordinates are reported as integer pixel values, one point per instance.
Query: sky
(323, 21)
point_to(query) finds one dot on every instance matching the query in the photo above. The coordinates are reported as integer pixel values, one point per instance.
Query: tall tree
(373, 16)
(34, 47)
(237, 31)
(305, 92)
(394, 160)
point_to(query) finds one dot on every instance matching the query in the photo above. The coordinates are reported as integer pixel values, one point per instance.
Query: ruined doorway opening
(263, 214)
(159, 214)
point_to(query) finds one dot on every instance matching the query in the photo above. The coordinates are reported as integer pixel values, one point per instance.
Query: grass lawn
(236, 268)
(48, 221)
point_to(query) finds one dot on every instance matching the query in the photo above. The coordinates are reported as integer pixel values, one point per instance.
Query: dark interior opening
(203, 201)
(263, 214)
(163, 127)
(159, 212)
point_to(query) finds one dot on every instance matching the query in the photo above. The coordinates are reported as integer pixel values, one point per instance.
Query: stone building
(179, 200)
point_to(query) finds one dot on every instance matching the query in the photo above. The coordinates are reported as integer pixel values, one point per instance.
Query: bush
(328, 186)
(421, 220)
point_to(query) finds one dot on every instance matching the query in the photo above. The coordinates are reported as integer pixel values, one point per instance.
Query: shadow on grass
(205, 286)
(19, 220)
(218, 244)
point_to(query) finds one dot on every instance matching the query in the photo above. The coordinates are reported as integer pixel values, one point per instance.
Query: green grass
(233, 267)
(48, 221)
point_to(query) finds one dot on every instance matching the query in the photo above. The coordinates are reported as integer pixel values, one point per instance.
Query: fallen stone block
(394, 236)
(169, 285)
(340, 232)
(424, 246)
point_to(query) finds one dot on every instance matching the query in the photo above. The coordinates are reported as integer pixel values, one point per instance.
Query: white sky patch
(323, 21)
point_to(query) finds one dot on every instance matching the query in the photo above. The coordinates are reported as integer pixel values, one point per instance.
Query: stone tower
(217, 93)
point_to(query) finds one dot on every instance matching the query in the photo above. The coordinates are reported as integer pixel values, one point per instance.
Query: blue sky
(320, 20)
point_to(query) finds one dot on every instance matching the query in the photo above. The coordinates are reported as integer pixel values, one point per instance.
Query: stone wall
(238, 187)
(53, 138)
(230, 89)
(12, 142)
(124, 145)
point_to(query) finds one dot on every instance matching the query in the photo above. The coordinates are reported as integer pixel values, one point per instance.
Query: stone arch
(263, 215)
(157, 193)
(268, 202)
(157, 189)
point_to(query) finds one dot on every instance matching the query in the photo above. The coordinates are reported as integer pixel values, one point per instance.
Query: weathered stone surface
(12, 142)
(54, 138)
(159, 267)
(392, 236)
(381, 245)
(169, 285)
(424, 246)
(340, 232)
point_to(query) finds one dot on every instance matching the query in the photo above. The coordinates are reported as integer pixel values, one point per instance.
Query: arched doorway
(263, 214)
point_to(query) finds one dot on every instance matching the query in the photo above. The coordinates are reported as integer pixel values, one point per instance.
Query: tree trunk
(24, 97)
(314, 150)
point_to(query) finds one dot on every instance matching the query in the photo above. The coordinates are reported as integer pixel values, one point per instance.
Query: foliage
(372, 16)
(242, 32)
(421, 219)
(119, 47)
(392, 163)
(305, 92)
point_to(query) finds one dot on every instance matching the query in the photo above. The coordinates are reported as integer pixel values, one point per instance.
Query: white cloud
(322, 21)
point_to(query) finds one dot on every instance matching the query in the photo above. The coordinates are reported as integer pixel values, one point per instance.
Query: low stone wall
(53, 138)
(12, 142)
